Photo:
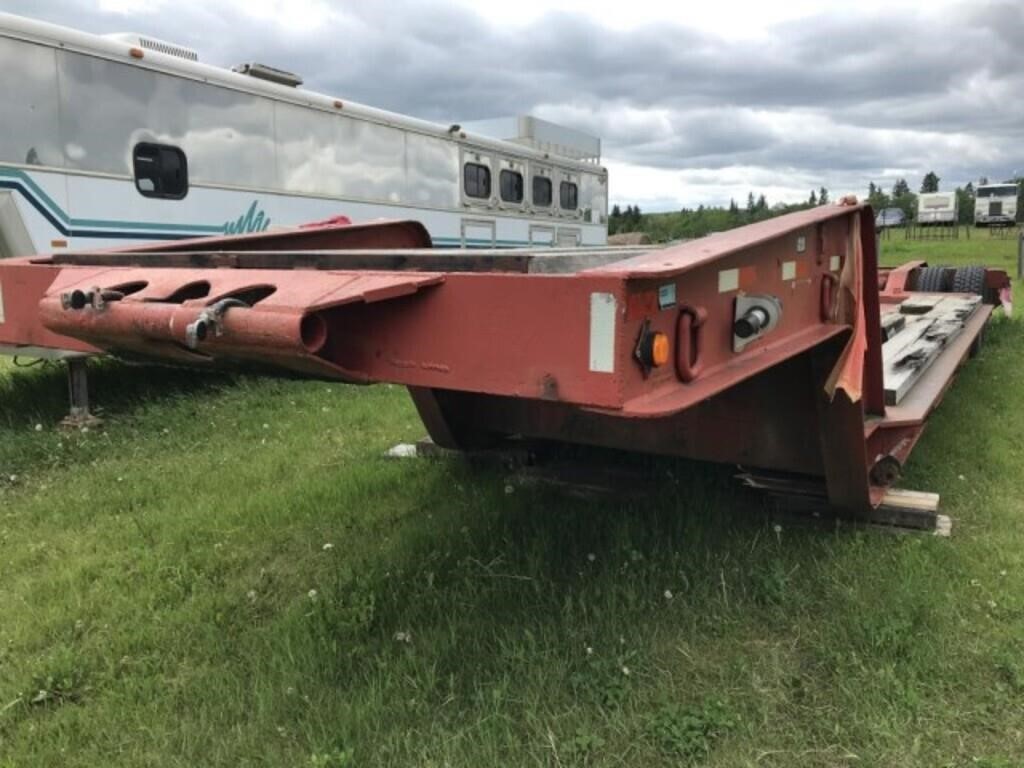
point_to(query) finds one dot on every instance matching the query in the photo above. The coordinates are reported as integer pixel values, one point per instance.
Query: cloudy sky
(694, 105)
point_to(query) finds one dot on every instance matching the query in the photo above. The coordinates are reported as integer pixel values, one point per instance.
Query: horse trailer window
(160, 171)
(541, 191)
(477, 179)
(569, 195)
(511, 183)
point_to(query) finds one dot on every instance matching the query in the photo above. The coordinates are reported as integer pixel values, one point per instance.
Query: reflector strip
(834, 262)
(789, 270)
(728, 280)
(602, 333)
(1, 302)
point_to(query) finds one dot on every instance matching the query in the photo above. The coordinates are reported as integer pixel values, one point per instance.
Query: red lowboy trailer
(779, 346)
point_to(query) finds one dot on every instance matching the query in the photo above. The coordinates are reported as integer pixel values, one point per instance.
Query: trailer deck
(779, 345)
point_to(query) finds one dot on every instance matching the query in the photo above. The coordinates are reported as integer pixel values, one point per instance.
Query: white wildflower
(668, 594)
(961, 477)
(266, 426)
(403, 637)
(991, 604)
(590, 651)
(328, 547)
(509, 489)
(777, 528)
(625, 670)
(251, 594)
(39, 427)
(591, 556)
(312, 594)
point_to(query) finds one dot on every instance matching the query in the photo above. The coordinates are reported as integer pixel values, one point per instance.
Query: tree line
(690, 223)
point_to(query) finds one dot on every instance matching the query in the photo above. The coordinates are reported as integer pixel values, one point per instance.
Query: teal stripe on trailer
(40, 199)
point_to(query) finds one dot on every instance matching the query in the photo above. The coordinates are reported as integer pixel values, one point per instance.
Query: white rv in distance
(996, 205)
(937, 208)
(109, 140)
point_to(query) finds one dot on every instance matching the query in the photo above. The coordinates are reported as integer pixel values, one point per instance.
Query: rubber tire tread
(931, 279)
(969, 280)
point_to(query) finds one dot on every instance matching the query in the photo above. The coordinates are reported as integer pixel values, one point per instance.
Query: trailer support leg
(79, 415)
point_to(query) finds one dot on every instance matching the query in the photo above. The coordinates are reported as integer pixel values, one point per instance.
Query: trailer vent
(274, 75)
(153, 44)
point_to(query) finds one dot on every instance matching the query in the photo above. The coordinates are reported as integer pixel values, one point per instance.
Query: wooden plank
(892, 323)
(923, 500)
(909, 354)
(920, 304)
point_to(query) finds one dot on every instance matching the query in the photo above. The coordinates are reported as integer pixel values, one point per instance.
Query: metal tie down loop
(209, 319)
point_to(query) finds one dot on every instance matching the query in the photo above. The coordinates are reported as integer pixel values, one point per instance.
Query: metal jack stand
(79, 416)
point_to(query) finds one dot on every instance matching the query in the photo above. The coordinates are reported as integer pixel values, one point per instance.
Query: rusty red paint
(542, 355)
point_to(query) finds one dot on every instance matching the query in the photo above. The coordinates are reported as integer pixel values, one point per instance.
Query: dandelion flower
(39, 427)
(777, 528)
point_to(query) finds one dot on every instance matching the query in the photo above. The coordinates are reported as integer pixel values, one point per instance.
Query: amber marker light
(659, 350)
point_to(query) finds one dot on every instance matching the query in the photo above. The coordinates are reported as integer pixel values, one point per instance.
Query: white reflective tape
(789, 270)
(602, 333)
(834, 263)
(728, 280)
(1, 302)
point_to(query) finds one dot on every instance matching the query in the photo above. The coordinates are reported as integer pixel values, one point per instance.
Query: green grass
(168, 596)
(981, 248)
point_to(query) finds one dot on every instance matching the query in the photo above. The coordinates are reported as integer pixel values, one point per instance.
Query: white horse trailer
(109, 140)
(937, 208)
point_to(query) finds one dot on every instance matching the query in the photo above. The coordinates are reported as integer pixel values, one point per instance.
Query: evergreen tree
(965, 204)
(823, 196)
(813, 199)
(750, 204)
(761, 205)
(930, 183)
(900, 188)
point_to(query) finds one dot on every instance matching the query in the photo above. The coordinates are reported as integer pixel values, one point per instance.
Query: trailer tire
(969, 280)
(931, 280)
